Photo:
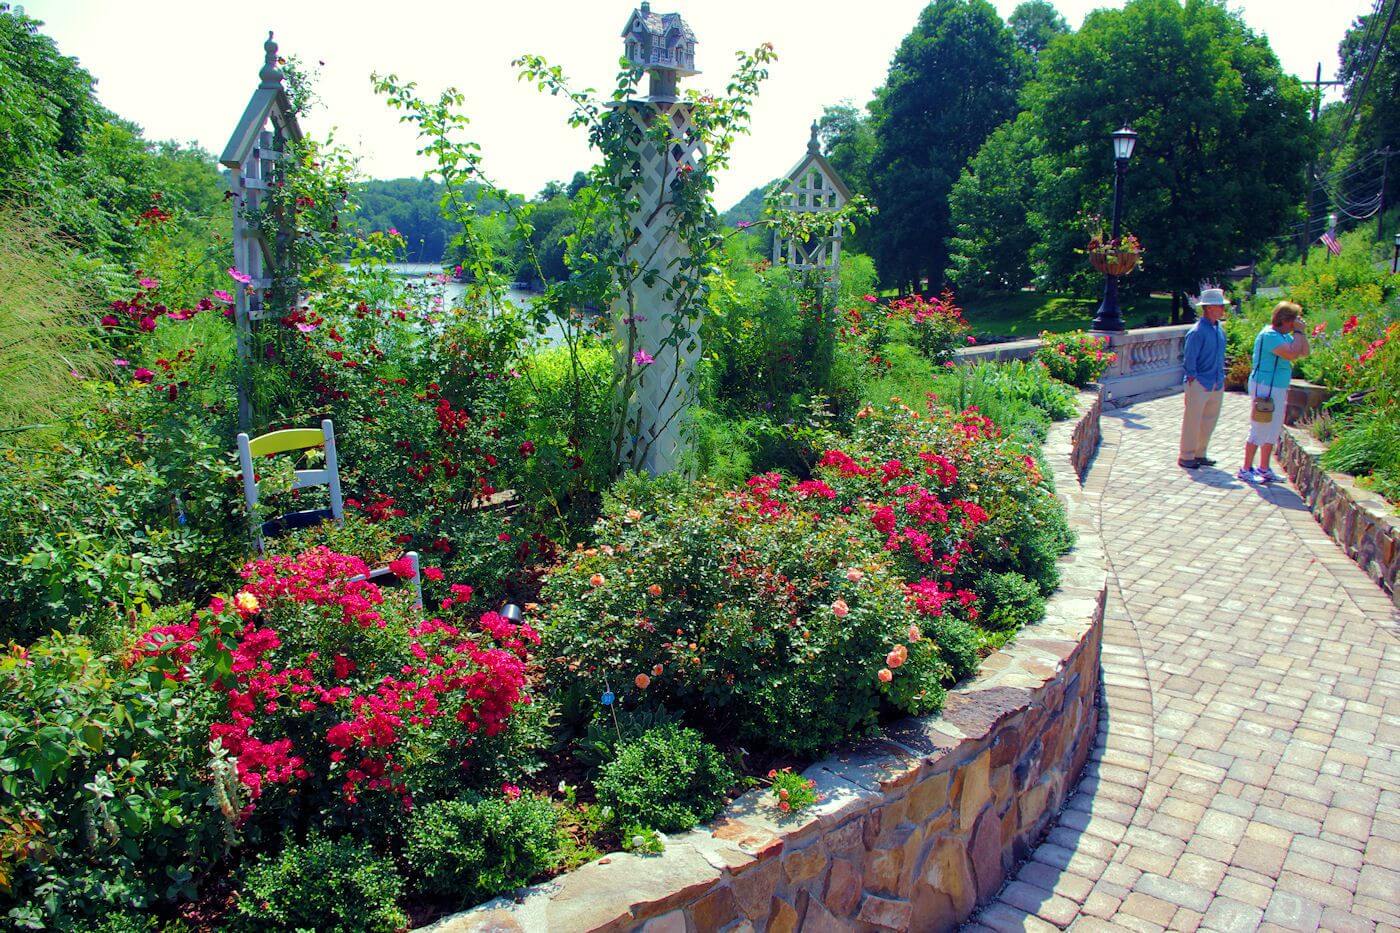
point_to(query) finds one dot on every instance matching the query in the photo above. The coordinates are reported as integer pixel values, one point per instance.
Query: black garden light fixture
(1109, 318)
(1395, 259)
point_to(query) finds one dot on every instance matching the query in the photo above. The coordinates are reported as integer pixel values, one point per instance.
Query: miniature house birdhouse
(663, 45)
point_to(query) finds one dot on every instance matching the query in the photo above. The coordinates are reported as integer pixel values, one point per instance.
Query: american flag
(1329, 240)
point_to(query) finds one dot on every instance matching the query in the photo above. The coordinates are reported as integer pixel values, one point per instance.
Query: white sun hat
(1211, 296)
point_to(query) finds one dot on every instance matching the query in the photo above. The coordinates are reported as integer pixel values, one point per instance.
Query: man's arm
(1190, 355)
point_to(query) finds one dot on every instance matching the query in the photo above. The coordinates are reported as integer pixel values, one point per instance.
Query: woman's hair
(1284, 312)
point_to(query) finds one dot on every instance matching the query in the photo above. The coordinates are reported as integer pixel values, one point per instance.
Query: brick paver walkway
(1248, 768)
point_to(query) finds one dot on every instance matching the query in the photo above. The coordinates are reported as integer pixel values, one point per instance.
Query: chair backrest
(280, 442)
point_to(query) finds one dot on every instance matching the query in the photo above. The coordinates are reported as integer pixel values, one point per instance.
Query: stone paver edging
(1359, 520)
(913, 829)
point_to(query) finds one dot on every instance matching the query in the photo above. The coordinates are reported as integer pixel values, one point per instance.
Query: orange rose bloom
(643, 681)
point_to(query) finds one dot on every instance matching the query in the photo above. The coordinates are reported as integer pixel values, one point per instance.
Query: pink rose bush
(320, 686)
(791, 613)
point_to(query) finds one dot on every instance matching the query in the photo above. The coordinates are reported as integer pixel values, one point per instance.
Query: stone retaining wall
(1361, 521)
(913, 829)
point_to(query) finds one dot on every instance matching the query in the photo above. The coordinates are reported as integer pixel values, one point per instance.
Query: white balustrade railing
(1148, 360)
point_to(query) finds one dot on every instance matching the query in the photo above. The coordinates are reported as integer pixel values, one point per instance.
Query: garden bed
(1362, 522)
(924, 822)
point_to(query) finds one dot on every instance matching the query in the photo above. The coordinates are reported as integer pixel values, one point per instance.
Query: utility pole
(1305, 238)
(1380, 211)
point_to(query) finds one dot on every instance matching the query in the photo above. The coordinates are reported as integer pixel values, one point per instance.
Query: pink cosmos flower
(120, 362)
(148, 283)
(241, 277)
(142, 374)
(643, 358)
(222, 295)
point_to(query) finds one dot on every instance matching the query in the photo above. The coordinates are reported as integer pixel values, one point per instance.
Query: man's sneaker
(1268, 476)
(1248, 476)
(1189, 464)
(1205, 461)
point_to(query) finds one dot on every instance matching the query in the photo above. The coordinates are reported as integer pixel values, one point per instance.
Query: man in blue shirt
(1204, 361)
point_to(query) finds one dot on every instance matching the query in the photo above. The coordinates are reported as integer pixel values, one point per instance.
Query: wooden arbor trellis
(262, 230)
(813, 186)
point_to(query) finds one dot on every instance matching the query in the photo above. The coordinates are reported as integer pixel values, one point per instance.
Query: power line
(1370, 67)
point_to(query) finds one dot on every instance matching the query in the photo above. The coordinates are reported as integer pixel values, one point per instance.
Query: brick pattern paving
(1247, 769)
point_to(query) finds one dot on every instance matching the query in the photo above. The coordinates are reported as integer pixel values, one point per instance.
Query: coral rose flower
(840, 608)
(855, 574)
(885, 675)
(654, 589)
(596, 580)
(643, 681)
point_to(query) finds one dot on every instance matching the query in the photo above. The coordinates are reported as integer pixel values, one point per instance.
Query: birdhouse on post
(261, 240)
(663, 45)
(813, 185)
(658, 338)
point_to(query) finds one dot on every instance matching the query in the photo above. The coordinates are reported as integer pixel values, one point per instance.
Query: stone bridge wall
(914, 829)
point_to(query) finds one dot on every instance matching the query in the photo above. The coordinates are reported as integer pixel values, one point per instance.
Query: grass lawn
(1026, 314)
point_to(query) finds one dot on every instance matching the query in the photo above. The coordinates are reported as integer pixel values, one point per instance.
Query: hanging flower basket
(1114, 262)
(1113, 256)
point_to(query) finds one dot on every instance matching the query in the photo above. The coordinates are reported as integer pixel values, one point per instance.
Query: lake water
(425, 274)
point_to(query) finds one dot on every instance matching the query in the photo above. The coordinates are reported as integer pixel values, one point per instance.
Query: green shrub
(1009, 601)
(1364, 444)
(332, 886)
(668, 779)
(102, 806)
(472, 850)
(697, 602)
(1076, 358)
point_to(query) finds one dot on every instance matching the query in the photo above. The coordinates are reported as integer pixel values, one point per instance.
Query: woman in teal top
(1275, 349)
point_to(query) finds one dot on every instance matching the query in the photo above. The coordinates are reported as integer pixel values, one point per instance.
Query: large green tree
(1224, 137)
(1372, 107)
(992, 240)
(953, 80)
(1035, 23)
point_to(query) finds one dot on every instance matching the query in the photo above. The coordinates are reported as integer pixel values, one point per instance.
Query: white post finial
(269, 73)
(813, 145)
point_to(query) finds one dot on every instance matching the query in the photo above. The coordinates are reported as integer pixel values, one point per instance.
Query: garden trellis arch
(813, 186)
(261, 243)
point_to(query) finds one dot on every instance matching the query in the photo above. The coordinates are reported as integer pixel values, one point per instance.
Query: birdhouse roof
(658, 24)
(270, 100)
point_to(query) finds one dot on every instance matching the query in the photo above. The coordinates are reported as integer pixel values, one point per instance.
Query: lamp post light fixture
(1395, 259)
(1109, 318)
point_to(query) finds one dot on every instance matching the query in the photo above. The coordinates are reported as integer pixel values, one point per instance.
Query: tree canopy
(1034, 24)
(953, 80)
(1224, 137)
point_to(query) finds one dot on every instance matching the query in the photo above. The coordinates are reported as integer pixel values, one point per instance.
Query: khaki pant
(1202, 411)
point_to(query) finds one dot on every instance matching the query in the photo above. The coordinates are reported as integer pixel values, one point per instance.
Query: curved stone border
(914, 829)
(1360, 521)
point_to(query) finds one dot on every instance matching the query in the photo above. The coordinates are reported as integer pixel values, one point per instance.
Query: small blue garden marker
(608, 698)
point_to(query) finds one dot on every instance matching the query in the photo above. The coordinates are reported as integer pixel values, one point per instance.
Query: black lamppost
(1109, 318)
(1395, 260)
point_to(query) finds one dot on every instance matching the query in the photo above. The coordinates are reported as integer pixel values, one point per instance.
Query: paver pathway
(1247, 774)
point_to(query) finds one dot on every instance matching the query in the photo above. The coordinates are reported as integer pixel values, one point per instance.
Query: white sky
(184, 69)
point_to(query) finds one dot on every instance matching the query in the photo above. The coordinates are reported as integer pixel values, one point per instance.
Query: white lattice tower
(660, 391)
